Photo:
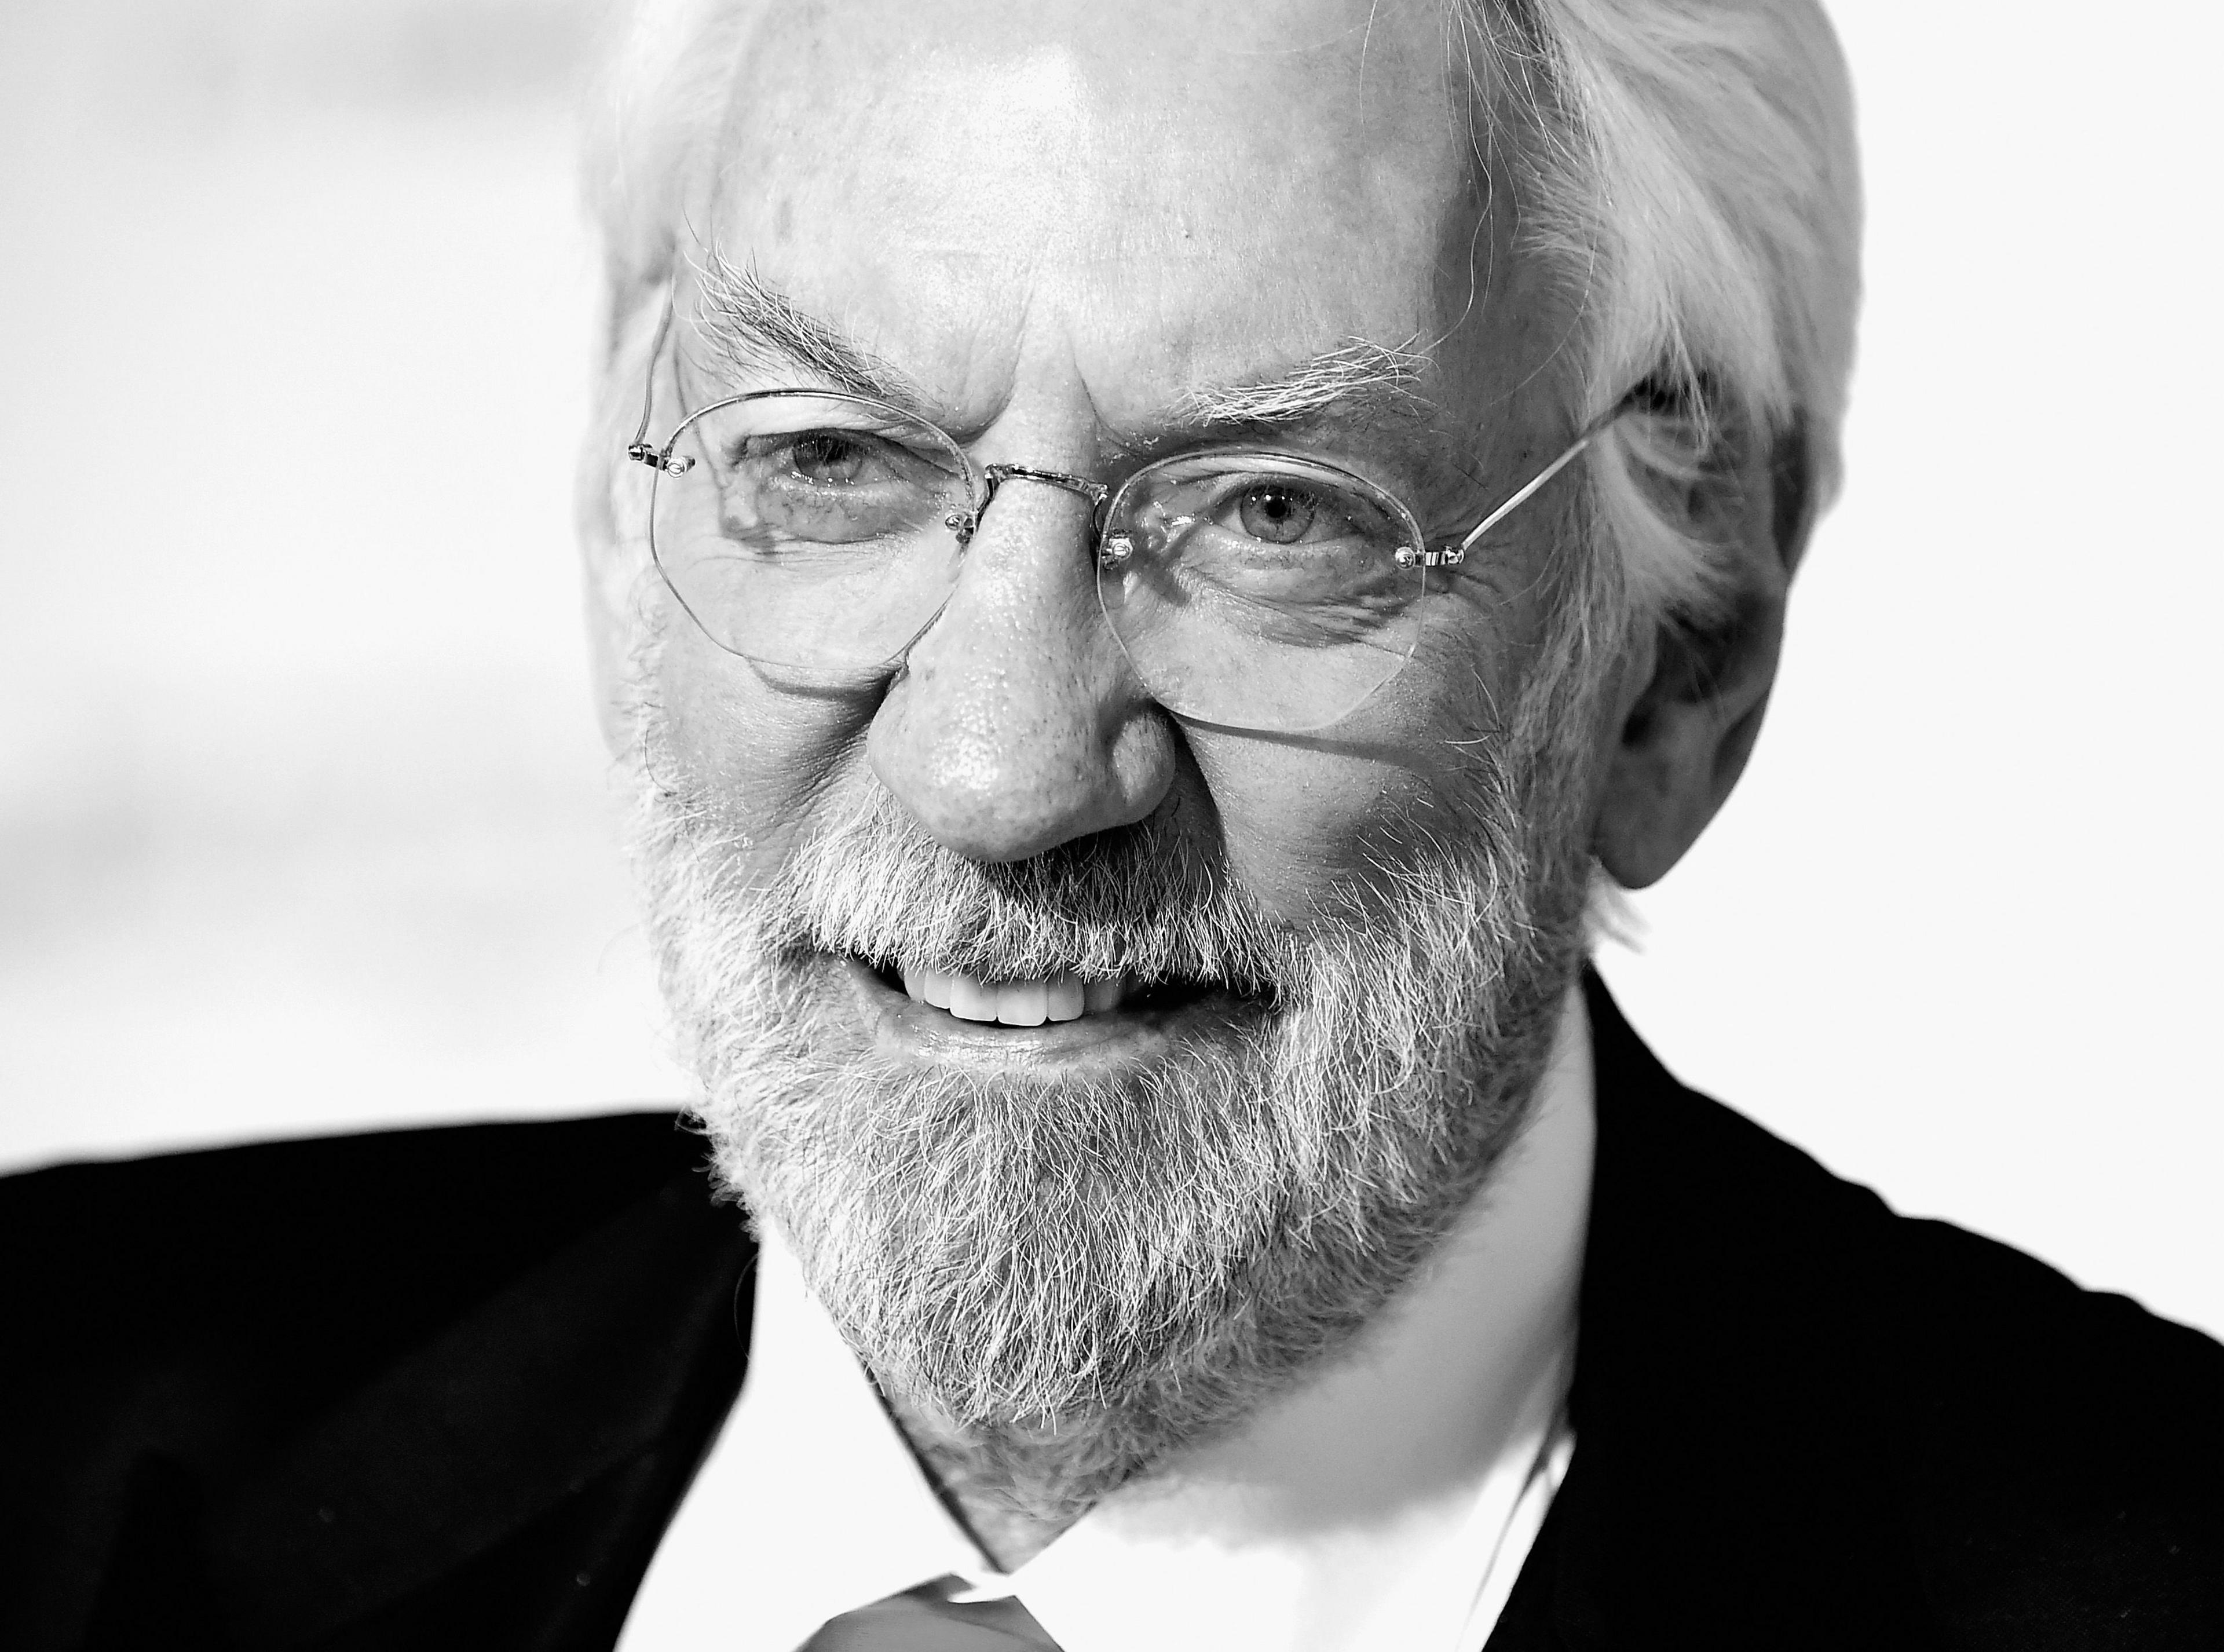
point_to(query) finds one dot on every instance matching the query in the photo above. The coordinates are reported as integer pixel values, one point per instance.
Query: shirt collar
(1363, 1509)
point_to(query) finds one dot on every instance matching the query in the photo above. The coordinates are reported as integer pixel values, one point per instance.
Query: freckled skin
(1057, 218)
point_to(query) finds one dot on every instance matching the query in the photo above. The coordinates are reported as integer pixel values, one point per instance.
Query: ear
(1695, 692)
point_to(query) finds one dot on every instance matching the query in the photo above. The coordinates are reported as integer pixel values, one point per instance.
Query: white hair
(1689, 167)
(1692, 173)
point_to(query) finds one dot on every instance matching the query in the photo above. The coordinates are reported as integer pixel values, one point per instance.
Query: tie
(920, 1620)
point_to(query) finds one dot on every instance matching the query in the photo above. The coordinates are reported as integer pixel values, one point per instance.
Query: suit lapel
(533, 1451)
(1726, 1488)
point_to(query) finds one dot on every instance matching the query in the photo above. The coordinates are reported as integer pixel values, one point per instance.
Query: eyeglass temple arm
(639, 449)
(1521, 495)
(1454, 555)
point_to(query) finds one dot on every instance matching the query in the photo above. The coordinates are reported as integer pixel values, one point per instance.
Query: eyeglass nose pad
(1114, 549)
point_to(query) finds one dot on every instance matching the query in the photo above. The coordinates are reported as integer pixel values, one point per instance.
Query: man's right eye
(828, 458)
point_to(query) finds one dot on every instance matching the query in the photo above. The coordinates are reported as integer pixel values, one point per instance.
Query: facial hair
(1084, 1275)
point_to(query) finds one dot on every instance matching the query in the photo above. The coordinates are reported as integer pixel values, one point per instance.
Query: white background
(303, 822)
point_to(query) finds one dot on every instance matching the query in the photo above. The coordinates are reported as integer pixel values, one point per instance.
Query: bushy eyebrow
(1359, 382)
(752, 326)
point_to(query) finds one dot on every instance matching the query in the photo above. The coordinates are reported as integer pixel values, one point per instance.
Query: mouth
(920, 1010)
(1056, 998)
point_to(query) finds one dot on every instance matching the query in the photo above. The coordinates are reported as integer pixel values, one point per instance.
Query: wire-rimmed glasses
(820, 533)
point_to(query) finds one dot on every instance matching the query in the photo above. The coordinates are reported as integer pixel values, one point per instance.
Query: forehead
(1159, 197)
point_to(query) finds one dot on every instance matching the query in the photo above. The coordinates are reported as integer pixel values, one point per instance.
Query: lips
(1122, 1022)
(1044, 1000)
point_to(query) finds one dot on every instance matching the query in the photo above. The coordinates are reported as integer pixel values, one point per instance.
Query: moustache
(1146, 902)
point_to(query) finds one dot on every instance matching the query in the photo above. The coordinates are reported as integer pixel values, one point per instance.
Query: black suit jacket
(445, 1387)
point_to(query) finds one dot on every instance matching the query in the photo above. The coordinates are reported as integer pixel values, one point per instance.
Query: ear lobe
(1696, 694)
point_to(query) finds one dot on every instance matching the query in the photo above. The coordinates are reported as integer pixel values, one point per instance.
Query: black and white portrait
(1326, 826)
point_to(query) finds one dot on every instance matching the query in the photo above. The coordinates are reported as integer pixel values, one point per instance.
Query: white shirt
(1385, 1505)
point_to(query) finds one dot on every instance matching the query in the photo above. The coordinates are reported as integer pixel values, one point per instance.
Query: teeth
(928, 987)
(972, 1000)
(1014, 1003)
(1022, 1004)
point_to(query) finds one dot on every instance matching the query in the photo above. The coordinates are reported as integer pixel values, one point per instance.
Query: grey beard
(1080, 1278)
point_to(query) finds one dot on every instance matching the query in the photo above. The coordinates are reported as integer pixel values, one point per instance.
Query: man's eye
(830, 459)
(1279, 515)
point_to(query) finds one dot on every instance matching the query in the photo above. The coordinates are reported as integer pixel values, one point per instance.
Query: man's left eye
(1279, 514)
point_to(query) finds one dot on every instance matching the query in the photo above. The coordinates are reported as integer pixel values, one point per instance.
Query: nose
(1017, 723)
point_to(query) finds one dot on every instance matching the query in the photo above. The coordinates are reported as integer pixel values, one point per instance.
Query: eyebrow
(753, 327)
(1359, 382)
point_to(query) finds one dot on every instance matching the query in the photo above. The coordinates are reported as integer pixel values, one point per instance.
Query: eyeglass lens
(817, 533)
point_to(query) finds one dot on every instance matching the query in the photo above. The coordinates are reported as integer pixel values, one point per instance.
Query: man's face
(1064, 222)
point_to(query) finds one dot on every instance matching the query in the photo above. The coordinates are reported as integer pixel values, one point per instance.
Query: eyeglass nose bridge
(965, 524)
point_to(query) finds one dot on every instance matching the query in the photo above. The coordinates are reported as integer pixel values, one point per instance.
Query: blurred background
(305, 824)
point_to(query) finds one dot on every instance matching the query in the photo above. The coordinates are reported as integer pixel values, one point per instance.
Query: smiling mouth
(1057, 999)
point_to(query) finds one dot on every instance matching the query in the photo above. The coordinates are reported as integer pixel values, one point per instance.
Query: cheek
(1305, 823)
(767, 764)
(1293, 822)
(1306, 827)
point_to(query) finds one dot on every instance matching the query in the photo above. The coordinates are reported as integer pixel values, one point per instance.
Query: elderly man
(1152, 564)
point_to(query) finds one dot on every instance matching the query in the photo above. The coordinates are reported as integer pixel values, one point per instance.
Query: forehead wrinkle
(750, 326)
